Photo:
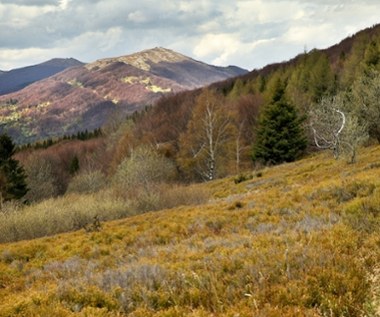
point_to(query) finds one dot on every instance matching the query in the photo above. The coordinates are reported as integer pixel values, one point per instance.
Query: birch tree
(206, 143)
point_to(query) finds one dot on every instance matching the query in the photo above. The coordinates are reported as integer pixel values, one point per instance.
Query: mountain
(171, 65)
(17, 79)
(83, 97)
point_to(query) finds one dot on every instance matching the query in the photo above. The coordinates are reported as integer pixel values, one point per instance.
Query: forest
(226, 128)
(212, 202)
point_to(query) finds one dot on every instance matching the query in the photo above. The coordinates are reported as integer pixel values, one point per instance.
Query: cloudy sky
(247, 33)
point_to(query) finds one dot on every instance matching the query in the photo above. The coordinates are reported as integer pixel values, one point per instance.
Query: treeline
(80, 135)
(264, 117)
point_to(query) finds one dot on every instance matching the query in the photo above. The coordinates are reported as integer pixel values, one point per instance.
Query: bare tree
(41, 178)
(245, 114)
(337, 129)
(209, 134)
(239, 147)
(327, 125)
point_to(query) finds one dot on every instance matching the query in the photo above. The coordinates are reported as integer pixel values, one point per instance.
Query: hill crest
(19, 78)
(142, 60)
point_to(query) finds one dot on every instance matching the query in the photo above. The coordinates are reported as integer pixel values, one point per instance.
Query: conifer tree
(12, 176)
(74, 165)
(279, 136)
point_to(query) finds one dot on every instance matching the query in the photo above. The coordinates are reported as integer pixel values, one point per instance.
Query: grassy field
(300, 239)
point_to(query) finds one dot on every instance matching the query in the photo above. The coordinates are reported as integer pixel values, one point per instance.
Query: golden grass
(57, 215)
(76, 211)
(303, 239)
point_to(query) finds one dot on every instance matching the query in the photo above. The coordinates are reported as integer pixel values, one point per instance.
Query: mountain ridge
(19, 78)
(157, 60)
(84, 96)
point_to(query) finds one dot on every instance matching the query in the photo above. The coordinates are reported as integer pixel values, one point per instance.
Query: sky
(245, 33)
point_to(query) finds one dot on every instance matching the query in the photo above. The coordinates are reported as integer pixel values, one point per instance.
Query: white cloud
(269, 11)
(248, 33)
(29, 56)
(137, 17)
(312, 34)
(212, 44)
(63, 4)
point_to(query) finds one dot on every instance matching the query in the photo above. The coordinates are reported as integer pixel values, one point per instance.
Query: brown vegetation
(300, 240)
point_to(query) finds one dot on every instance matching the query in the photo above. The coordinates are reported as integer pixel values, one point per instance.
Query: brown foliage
(59, 157)
(205, 145)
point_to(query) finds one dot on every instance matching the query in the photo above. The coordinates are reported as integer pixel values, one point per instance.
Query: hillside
(83, 97)
(346, 56)
(17, 79)
(299, 239)
(339, 70)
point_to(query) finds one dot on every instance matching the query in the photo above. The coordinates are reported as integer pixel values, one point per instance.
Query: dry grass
(77, 211)
(63, 214)
(303, 239)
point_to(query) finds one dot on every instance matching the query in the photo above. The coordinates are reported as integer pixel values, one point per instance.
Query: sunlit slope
(300, 239)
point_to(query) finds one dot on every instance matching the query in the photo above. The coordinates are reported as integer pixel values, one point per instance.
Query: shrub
(242, 178)
(177, 195)
(144, 167)
(71, 212)
(41, 179)
(87, 182)
(166, 196)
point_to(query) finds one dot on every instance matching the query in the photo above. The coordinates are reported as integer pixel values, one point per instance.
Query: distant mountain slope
(83, 97)
(17, 79)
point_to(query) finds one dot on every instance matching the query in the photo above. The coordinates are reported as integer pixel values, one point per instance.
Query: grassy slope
(302, 240)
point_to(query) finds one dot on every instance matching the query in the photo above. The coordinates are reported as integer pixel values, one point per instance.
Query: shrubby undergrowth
(75, 211)
(300, 240)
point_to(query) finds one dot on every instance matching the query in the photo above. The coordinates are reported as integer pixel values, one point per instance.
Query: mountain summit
(83, 97)
(144, 59)
(169, 64)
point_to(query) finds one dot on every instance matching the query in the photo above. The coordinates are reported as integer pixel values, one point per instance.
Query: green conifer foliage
(280, 136)
(12, 176)
(74, 165)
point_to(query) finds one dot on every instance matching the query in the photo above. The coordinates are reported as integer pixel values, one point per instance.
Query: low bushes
(77, 211)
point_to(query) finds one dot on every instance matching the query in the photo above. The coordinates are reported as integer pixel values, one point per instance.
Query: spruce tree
(12, 176)
(279, 136)
(74, 165)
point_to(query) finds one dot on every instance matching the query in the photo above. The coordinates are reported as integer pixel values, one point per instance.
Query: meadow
(297, 239)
